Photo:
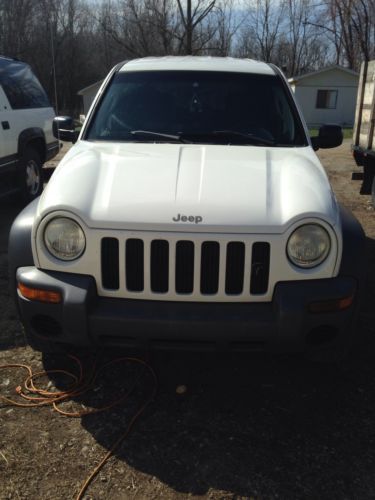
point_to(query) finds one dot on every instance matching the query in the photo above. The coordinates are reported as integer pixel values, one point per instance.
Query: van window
(21, 86)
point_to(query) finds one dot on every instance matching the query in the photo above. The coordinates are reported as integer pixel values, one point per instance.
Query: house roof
(296, 79)
(93, 85)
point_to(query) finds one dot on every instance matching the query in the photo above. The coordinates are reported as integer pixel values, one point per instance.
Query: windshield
(197, 107)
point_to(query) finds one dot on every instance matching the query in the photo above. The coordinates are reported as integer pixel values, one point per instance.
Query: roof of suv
(195, 63)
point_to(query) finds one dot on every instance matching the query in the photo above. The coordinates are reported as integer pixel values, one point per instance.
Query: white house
(88, 94)
(327, 95)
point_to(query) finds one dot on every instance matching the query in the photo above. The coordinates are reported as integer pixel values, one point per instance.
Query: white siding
(343, 114)
(346, 85)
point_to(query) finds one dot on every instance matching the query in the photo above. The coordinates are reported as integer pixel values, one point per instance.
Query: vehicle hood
(221, 188)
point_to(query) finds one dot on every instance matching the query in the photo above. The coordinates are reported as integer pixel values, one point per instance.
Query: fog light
(48, 296)
(331, 305)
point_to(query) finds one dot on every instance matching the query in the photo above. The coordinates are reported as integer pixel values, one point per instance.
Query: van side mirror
(63, 129)
(330, 136)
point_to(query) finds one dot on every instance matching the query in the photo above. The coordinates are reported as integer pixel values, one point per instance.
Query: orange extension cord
(41, 397)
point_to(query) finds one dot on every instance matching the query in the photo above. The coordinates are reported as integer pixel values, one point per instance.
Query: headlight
(64, 238)
(308, 246)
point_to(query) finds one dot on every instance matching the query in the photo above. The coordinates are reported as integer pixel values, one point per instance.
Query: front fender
(19, 247)
(28, 135)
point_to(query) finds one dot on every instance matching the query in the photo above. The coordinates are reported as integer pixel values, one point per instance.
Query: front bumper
(83, 318)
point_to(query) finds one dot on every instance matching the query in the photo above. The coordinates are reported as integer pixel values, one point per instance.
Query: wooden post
(359, 106)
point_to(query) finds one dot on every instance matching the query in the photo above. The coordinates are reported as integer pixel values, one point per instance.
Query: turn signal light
(331, 305)
(49, 296)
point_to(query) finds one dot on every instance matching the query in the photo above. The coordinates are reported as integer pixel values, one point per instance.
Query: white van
(26, 139)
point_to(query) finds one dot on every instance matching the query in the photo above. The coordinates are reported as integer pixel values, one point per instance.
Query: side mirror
(63, 129)
(330, 136)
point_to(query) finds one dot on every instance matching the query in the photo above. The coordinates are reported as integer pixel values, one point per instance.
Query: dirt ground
(245, 427)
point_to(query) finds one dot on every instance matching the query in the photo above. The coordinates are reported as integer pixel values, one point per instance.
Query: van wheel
(31, 177)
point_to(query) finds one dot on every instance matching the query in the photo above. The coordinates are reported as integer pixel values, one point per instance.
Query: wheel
(30, 178)
(44, 345)
(339, 350)
(336, 353)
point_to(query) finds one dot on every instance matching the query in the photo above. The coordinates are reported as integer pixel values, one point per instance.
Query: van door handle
(5, 125)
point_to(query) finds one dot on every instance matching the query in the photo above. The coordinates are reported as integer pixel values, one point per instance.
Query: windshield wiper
(251, 138)
(160, 135)
(227, 134)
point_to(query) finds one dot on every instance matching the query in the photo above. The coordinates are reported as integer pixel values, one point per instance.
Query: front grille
(196, 268)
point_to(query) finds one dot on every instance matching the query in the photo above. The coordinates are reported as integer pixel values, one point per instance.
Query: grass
(348, 132)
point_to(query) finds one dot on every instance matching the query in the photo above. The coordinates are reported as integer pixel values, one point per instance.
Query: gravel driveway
(245, 427)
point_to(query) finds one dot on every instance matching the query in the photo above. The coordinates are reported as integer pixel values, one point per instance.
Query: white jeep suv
(192, 211)
(26, 139)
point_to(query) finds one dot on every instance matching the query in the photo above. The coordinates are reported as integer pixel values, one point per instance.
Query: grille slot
(210, 267)
(110, 263)
(235, 268)
(134, 265)
(260, 268)
(159, 266)
(184, 266)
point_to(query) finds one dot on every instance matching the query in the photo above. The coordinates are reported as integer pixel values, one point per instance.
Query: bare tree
(302, 44)
(267, 20)
(164, 22)
(226, 25)
(350, 27)
(262, 29)
(192, 17)
(85, 38)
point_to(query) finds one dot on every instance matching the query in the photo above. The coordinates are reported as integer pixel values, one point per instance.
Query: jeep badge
(188, 218)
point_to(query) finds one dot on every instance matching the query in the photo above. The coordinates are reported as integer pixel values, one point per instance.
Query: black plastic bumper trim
(281, 324)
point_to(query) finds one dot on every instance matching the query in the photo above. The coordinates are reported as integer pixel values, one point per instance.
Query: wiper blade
(251, 138)
(160, 135)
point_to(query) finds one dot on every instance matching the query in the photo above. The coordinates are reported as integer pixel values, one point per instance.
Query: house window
(326, 99)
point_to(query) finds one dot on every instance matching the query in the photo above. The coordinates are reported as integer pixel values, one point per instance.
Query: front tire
(31, 177)
(44, 345)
